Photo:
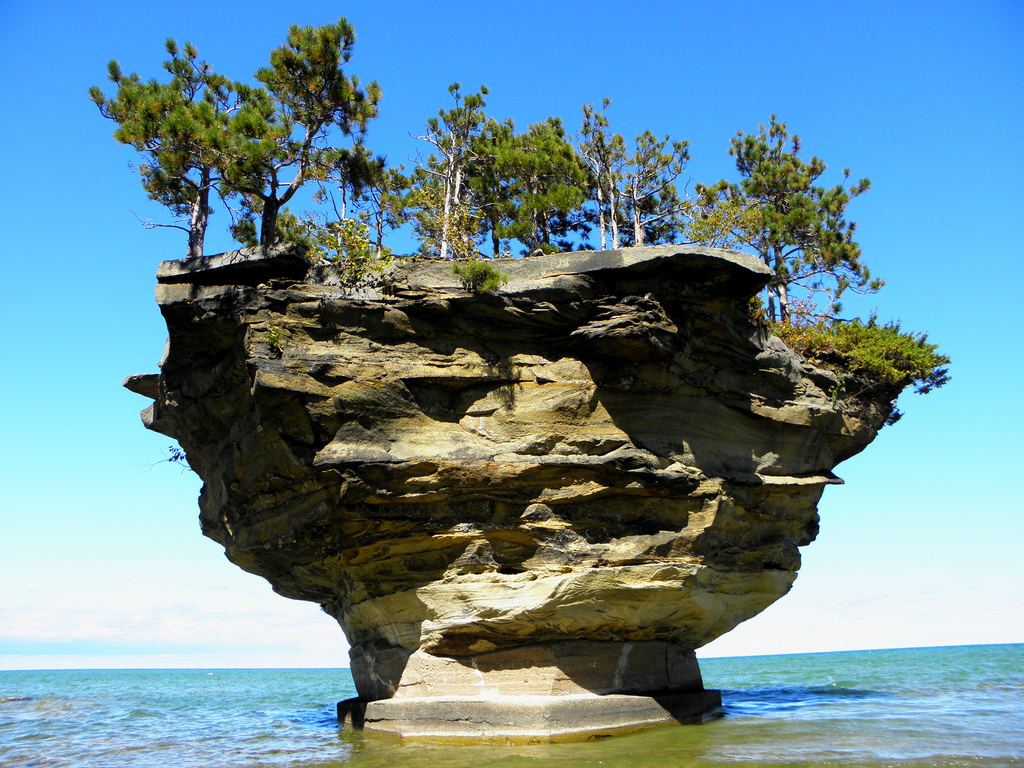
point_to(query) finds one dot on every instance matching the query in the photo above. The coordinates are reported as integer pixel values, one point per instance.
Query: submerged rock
(526, 508)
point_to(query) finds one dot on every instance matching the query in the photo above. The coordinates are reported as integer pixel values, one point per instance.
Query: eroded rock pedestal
(525, 509)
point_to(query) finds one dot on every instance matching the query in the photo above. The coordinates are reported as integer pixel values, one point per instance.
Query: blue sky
(101, 559)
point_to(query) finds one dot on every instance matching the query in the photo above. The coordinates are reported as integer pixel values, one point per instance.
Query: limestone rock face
(588, 474)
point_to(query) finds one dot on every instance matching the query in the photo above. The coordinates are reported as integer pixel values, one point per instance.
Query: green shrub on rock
(346, 244)
(479, 276)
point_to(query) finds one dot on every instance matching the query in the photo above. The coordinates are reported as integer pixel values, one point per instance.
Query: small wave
(772, 699)
(11, 699)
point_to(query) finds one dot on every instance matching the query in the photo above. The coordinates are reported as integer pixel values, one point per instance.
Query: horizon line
(338, 668)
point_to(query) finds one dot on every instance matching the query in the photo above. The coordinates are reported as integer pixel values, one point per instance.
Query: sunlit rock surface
(526, 508)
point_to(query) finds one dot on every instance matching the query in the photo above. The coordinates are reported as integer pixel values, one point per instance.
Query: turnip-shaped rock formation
(525, 508)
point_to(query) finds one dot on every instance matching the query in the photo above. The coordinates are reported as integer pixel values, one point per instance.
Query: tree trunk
(452, 186)
(458, 185)
(541, 221)
(638, 230)
(456, 201)
(778, 262)
(444, 220)
(783, 304)
(600, 215)
(199, 217)
(268, 224)
(379, 227)
(495, 240)
(613, 216)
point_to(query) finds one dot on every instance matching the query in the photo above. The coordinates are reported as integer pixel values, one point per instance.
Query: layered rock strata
(525, 509)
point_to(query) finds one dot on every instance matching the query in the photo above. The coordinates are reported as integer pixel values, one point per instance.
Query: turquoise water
(916, 707)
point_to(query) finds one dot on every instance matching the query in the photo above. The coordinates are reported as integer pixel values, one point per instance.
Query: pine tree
(438, 221)
(385, 201)
(279, 135)
(649, 188)
(720, 222)
(351, 171)
(635, 192)
(486, 187)
(368, 190)
(797, 227)
(180, 127)
(604, 153)
(547, 185)
(441, 176)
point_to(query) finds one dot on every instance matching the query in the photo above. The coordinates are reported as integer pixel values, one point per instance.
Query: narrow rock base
(526, 718)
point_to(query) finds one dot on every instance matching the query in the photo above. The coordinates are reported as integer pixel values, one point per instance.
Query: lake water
(959, 706)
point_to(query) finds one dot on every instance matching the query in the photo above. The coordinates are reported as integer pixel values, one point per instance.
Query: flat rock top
(726, 271)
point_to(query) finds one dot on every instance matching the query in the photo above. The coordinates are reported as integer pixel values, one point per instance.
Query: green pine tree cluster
(482, 184)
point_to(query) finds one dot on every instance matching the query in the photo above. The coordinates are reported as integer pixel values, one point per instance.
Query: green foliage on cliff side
(878, 356)
(275, 339)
